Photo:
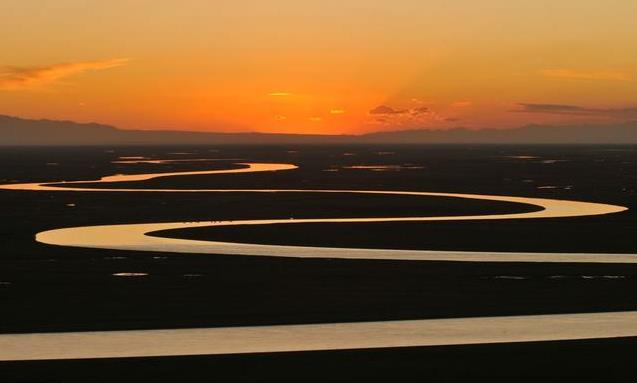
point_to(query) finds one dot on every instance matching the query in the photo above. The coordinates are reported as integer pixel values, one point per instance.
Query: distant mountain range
(19, 131)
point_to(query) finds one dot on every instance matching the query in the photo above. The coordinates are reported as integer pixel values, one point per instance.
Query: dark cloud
(576, 110)
(386, 110)
(421, 110)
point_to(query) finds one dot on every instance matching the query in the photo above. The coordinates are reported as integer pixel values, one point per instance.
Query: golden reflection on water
(247, 167)
(135, 236)
(330, 336)
(312, 337)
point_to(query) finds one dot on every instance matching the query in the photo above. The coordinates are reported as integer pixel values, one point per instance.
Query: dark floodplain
(47, 288)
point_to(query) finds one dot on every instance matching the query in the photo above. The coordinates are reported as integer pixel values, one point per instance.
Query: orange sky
(329, 66)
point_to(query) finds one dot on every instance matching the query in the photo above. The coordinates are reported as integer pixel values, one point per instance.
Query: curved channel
(138, 237)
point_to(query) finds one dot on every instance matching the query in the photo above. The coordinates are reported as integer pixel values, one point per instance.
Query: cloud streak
(421, 110)
(17, 78)
(576, 110)
(386, 110)
(407, 117)
(584, 75)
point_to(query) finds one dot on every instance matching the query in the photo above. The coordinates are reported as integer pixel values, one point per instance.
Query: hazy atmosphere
(318, 191)
(320, 67)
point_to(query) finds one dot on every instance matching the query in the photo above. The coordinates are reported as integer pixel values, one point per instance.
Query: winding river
(329, 336)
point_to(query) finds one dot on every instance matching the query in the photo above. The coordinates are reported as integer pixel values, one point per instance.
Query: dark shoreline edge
(61, 288)
(607, 360)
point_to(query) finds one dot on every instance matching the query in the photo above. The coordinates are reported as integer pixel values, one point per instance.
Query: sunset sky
(328, 66)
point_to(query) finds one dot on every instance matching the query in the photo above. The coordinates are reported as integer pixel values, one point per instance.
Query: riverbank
(570, 362)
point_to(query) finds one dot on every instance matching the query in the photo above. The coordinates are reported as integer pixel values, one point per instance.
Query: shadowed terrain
(48, 288)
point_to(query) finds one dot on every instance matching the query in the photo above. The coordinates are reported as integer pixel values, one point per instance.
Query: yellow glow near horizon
(327, 66)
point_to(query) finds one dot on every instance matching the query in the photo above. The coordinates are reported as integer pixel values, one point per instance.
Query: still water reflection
(328, 336)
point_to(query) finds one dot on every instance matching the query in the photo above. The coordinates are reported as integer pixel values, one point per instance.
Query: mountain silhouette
(18, 131)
